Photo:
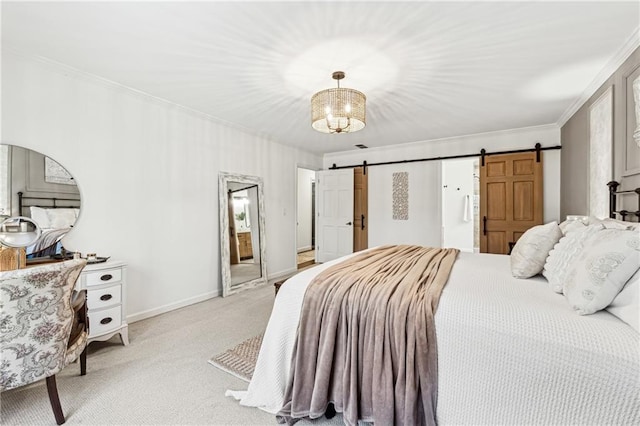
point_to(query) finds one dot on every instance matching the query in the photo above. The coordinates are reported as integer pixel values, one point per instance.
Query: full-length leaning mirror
(242, 240)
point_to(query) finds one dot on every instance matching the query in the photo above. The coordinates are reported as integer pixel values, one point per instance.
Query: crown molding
(632, 43)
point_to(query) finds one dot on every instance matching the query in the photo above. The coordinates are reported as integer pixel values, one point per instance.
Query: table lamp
(16, 233)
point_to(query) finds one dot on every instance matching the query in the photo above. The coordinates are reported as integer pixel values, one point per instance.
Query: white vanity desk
(105, 285)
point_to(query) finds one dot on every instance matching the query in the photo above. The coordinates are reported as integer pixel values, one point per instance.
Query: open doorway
(460, 204)
(305, 219)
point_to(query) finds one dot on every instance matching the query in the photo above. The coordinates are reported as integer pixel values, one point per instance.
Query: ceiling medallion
(338, 110)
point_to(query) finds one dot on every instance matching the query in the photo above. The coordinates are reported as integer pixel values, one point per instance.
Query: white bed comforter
(510, 351)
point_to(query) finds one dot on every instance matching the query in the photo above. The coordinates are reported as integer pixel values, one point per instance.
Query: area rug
(240, 360)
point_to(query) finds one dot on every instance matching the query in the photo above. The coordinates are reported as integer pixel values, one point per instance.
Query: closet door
(510, 199)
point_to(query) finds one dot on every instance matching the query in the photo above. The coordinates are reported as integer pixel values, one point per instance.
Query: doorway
(460, 204)
(305, 218)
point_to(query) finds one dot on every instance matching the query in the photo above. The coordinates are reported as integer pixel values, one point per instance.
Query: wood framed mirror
(242, 232)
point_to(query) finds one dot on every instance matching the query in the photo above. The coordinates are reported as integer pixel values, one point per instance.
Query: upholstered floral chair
(40, 332)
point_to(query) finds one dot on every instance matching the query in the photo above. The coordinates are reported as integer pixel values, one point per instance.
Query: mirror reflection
(244, 245)
(241, 232)
(18, 232)
(35, 186)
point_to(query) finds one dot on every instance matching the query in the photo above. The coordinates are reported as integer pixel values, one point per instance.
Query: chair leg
(83, 362)
(54, 399)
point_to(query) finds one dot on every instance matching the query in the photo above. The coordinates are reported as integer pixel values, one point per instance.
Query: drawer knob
(106, 320)
(106, 277)
(106, 297)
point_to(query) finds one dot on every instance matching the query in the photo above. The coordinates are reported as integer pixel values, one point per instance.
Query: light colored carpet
(240, 360)
(162, 377)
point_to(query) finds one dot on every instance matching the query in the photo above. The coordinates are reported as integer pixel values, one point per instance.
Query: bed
(509, 351)
(55, 216)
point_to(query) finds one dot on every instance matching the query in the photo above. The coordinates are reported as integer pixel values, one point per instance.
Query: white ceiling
(429, 70)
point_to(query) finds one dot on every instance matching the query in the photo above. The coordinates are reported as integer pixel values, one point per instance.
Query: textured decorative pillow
(626, 304)
(619, 224)
(531, 250)
(568, 248)
(610, 257)
(39, 216)
(571, 225)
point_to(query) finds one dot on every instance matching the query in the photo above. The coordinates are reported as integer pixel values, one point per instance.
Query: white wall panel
(423, 225)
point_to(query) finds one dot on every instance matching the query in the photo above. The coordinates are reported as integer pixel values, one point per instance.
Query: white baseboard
(139, 316)
(305, 248)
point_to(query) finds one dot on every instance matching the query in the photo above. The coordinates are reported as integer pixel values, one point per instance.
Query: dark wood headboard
(26, 201)
(613, 195)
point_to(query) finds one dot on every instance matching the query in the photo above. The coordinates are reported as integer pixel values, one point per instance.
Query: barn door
(360, 209)
(510, 199)
(335, 214)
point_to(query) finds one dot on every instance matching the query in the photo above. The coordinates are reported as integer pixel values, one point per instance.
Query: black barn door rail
(538, 148)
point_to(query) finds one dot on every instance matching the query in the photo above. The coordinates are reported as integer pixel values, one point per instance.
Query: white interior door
(335, 214)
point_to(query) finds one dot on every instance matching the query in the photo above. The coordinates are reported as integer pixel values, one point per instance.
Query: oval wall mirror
(35, 186)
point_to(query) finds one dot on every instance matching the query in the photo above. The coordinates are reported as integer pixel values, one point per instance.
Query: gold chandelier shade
(338, 110)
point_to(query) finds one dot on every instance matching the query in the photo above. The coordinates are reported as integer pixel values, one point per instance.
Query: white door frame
(295, 217)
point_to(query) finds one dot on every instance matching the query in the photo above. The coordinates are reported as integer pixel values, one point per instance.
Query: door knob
(348, 223)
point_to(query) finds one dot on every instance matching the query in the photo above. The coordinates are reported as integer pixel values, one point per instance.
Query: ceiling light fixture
(338, 110)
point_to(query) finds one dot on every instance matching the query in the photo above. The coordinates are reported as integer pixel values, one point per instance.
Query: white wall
(424, 223)
(148, 175)
(424, 195)
(305, 177)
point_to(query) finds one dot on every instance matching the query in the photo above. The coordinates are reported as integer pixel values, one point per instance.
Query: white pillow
(62, 218)
(571, 225)
(610, 257)
(619, 224)
(530, 252)
(40, 216)
(626, 305)
(610, 223)
(568, 248)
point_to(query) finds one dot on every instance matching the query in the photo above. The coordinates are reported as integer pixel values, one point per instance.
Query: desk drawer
(104, 276)
(104, 297)
(104, 321)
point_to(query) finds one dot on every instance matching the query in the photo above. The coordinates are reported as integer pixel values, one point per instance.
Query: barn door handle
(484, 225)
(362, 221)
(348, 223)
